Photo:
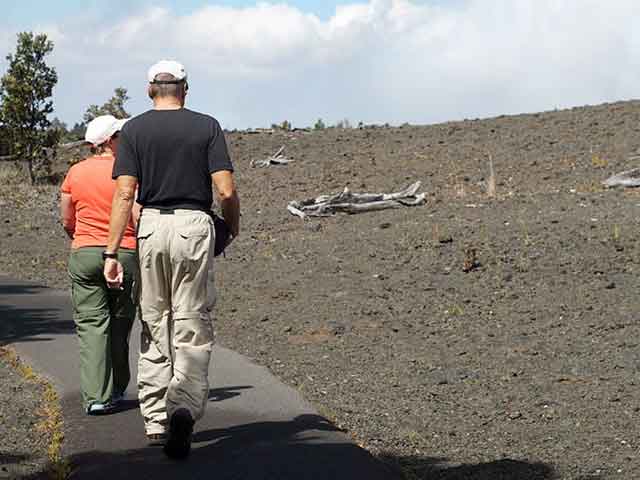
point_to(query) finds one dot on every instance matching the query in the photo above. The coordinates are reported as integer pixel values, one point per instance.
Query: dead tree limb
(629, 178)
(276, 159)
(351, 203)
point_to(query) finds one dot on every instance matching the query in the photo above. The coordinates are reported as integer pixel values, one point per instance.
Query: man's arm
(228, 199)
(68, 214)
(121, 207)
(123, 199)
(135, 213)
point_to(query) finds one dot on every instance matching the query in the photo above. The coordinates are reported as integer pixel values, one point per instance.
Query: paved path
(255, 427)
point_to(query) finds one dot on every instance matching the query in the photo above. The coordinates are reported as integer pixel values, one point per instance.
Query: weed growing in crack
(50, 423)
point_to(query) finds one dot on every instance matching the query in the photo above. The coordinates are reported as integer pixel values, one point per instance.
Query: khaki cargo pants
(176, 308)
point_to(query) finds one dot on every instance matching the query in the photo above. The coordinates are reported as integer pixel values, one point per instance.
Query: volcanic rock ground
(524, 367)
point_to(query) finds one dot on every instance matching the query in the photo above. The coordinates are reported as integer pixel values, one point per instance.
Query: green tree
(77, 132)
(25, 102)
(57, 124)
(286, 126)
(319, 125)
(114, 106)
(343, 124)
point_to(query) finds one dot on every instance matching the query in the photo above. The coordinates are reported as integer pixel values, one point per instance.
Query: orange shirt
(91, 188)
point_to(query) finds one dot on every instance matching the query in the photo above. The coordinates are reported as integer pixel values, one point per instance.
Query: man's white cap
(102, 128)
(167, 66)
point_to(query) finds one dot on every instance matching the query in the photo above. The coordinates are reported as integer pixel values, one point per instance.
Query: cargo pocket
(195, 240)
(144, 236)
(145, 230)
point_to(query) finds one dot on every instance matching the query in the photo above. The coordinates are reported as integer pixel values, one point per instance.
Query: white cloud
(376, 61)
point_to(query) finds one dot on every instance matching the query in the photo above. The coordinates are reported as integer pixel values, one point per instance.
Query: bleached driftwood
(348, 202)
(277, 159)
(629, 178)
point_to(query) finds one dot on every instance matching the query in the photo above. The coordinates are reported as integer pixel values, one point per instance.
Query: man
(173, 156)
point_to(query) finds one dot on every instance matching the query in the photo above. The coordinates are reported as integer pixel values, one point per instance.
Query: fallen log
(629, 178)
(352, 203)
(276, 159)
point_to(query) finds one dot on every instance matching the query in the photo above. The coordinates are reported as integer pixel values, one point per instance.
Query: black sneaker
(178, 443)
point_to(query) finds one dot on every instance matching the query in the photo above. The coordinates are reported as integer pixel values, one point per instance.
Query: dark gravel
(524, 367)
(23, 449)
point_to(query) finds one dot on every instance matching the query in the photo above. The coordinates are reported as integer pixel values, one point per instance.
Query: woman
(103, 317)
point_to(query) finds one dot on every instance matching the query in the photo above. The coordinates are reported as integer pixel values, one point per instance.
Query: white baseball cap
(102, 128)
(167, 66)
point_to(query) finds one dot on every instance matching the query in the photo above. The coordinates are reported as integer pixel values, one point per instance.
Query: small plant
(440, 236)
(50, 422)
(491, 183)
(526, 239)
(454, 310)
(616, 237)
(470, 259)
(599, 162)
(616, 233)
(319, 125)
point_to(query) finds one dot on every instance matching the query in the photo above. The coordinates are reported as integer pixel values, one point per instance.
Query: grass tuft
(50, 421)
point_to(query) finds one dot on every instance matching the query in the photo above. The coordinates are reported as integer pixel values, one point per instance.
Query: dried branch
(629, 178)
(276, 159)
(491, 183)
(348, 202)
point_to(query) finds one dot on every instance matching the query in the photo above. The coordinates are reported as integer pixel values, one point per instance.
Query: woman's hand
(113, 273)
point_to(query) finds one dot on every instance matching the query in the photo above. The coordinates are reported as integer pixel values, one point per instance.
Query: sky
(251, 64)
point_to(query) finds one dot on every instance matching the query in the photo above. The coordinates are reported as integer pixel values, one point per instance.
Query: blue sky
(254, 63)
(30, 12)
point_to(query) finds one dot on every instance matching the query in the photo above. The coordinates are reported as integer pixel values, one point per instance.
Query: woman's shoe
(117, 397)
(98, 408)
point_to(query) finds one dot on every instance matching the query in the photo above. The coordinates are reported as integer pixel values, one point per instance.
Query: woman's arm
(68, 214)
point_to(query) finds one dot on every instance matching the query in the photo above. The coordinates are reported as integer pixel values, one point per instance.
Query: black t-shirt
(172, 153)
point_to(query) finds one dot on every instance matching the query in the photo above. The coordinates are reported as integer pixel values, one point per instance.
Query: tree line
(26, 88)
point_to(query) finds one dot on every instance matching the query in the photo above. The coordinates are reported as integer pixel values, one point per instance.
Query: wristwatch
(106, 255)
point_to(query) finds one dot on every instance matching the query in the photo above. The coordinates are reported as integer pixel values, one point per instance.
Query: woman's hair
(99, 149)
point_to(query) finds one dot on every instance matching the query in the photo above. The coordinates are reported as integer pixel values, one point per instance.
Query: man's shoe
(156, 439)
(178, 443)
(98, 408)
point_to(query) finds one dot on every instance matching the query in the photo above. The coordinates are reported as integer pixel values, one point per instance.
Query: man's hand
(113, 273)
(228, 200)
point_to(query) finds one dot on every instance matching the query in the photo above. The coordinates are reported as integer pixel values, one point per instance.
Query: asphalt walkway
(255, 427)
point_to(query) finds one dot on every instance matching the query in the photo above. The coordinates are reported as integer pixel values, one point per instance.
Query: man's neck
(167, 104)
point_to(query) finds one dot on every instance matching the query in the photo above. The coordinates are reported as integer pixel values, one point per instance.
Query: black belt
(173, 211)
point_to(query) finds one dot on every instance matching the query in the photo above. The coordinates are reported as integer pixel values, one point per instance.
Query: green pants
(103, 320)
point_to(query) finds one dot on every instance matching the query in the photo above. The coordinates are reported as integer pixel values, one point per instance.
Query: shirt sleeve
(126, 162)
(218, 154)
(66, 185)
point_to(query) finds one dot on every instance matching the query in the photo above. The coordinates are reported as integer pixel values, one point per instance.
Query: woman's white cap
(102, 128)
(167, 66)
